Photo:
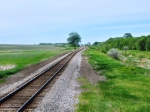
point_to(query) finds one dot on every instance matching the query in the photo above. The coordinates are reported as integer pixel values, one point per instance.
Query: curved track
(22, 98)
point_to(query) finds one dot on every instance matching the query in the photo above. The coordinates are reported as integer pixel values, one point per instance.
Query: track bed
(28, 95)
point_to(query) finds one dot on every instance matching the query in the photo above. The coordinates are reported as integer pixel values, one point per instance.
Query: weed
(141, 56)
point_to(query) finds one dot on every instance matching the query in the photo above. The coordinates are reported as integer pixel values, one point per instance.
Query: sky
(51, 21)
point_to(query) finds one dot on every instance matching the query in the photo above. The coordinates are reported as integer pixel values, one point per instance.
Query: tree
(95, 43)
(89, 44)
(74, 39)
(142, 43)
(127, 35)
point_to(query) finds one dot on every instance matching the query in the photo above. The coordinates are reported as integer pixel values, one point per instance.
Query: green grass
(137, 54)
(25, 55)
(126, 88)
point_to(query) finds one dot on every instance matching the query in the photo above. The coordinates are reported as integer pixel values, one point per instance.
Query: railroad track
(27, 96)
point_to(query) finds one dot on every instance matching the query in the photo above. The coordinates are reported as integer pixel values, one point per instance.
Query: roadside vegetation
(127, 42)
(125, 61)
(21, 56)
(126, 88)
(136, 58)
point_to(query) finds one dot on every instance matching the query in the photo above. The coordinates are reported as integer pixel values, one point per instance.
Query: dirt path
(87, 71)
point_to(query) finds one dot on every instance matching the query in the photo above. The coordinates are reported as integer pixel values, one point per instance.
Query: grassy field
(126, 88)
(22, 56)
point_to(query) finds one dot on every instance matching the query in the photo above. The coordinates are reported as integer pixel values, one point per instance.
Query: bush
(105, 49)
(126, 48)
(114, 53)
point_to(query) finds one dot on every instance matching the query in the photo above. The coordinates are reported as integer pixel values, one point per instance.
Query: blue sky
(35, 21)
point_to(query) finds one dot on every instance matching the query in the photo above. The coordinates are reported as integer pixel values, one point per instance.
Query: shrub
(126, 48)
(114, 53)
(105, 48)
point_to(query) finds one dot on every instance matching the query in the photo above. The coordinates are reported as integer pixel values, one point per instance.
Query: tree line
(52, 43)
(127, 42)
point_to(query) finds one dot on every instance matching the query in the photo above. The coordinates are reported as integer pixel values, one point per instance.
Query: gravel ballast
(62, 96)
(12, 86)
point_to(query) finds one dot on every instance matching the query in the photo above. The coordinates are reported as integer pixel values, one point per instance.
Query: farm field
(126, 88)
(14, 58)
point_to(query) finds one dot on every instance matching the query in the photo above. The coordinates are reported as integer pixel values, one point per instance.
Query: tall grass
(126, 88)
(138, 54)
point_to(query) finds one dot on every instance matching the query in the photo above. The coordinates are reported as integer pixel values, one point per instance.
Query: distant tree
(147, 44)
(142, 43)
(95, 43)
(45, 43)
(89, 44)
(74, 39)
(127, 35)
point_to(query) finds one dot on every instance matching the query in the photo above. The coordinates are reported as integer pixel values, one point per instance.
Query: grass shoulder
(125, 89)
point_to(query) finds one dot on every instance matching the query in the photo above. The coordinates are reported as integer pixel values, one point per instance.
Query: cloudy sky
(36, 21)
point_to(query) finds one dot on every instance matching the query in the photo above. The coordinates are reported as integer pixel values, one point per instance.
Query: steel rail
(3, 99)
(30, 100)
